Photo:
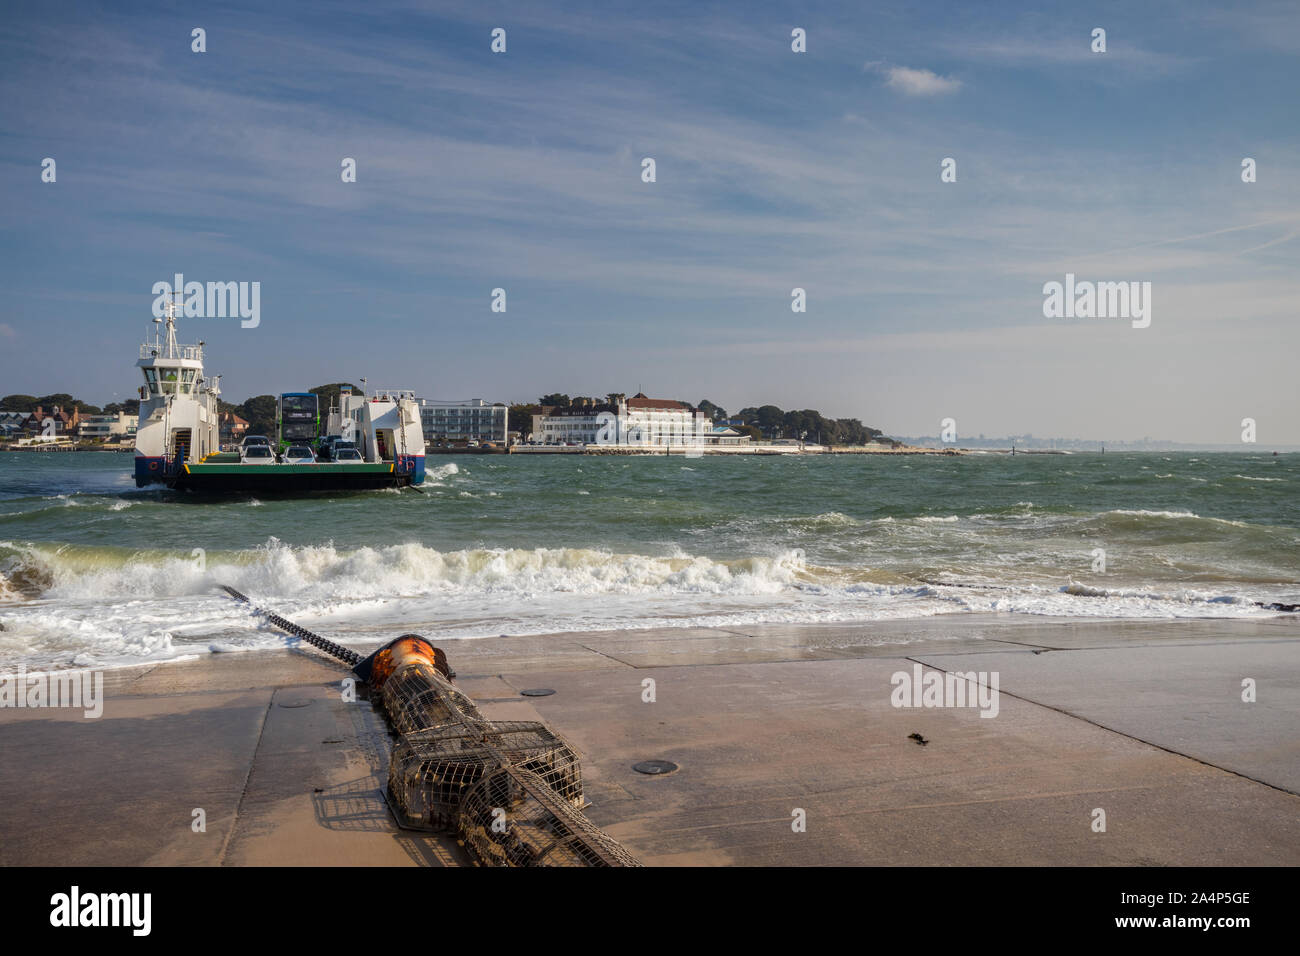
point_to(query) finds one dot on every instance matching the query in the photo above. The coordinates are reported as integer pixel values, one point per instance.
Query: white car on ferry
(256, 455)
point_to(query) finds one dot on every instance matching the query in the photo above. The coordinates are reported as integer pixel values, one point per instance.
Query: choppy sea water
(94, 572)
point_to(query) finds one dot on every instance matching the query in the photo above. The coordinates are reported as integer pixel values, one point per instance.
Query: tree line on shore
(29, 403)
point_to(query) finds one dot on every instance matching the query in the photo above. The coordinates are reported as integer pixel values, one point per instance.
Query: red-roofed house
(54, 421)
(231, 428)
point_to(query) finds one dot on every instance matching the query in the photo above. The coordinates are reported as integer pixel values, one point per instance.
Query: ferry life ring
(153, 466)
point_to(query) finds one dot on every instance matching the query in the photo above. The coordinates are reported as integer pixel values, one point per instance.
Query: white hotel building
(474, 420)
(637, 421)
(109, 427)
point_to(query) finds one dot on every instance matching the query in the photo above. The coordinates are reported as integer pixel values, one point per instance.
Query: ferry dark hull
(280, 479)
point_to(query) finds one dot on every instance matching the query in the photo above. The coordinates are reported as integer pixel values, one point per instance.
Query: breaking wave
(278, 570)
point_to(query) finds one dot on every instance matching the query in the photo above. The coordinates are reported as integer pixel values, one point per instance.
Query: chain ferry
(370, 439)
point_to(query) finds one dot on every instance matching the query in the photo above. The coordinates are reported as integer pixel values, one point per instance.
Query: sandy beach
(1141, 719)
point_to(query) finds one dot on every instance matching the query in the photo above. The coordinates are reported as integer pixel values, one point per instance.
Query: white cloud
(919, 82)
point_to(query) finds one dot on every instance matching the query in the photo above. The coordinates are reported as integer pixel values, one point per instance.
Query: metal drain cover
(537, 692)
(655, 768)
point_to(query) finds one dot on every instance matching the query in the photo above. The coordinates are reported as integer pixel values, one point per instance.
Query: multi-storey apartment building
(474, 420)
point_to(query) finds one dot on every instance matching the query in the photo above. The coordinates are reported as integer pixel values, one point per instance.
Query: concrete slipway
(1142, 719)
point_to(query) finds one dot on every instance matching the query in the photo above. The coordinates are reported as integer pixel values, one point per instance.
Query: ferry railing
(391, 393)
(192, 353)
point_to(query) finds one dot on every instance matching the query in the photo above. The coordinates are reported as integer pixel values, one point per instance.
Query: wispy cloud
(1057, 49)
(915, 82)
(1285, 237)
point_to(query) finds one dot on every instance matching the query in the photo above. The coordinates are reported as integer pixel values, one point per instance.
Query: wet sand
(1141, 719)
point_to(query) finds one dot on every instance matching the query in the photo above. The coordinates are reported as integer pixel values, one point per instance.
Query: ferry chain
(348, 657)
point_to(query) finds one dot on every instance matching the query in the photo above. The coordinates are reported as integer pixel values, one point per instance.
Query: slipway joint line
(1121, 733)
(610, 657)
(248, 777)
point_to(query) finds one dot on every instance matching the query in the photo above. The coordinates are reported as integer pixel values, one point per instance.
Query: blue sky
(774, 170)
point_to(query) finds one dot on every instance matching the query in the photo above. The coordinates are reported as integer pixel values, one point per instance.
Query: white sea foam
(112, 607)
(279, 570)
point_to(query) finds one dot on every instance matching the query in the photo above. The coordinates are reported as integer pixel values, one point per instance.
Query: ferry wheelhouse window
(151, 380)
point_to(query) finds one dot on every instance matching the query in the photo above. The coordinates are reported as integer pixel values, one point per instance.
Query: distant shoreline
(71, 447)
(688, 451)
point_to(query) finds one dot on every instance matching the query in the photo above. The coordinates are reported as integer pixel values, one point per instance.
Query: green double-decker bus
(298, 419)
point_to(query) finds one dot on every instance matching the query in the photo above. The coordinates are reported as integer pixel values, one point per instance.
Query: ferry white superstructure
(178, 405)
(384, 425)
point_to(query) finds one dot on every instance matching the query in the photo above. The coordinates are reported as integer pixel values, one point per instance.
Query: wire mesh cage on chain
(513, 817)
(512, 789)
(431, 769)
(417, 697)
